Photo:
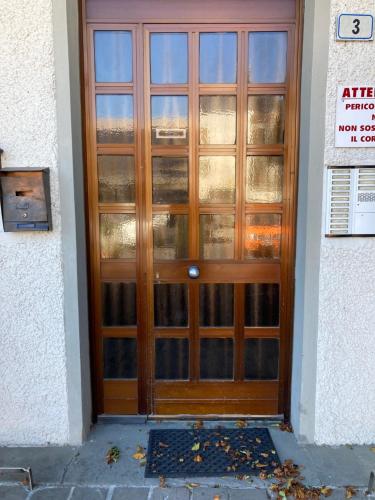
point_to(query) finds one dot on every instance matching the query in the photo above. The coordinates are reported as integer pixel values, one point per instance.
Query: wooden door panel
(218, 344)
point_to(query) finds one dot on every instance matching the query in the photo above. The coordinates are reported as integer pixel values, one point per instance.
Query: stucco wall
(33, 391)
(345, 397)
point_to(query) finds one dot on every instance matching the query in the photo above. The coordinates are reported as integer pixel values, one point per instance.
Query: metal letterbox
(25, 199)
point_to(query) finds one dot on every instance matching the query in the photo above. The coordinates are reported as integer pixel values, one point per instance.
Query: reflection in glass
(217, 179)
(216, 236)
(261, 359)
(267, 57)
(218, 119)
(169, 119)
(169, 57)
(116, 179)
(216, 359)
(218, 57)
(264, 179)
(216, 304)
(114, 119)
(172, 359)
(262, 305)
(171, 233)
(263, 236)
(171, 305)
(266, 119)
(119, 304)
(169, 180)
(118, 236)
(120, 358)
(113, 56)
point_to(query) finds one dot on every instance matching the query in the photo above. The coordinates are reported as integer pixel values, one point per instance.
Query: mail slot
(25, 199)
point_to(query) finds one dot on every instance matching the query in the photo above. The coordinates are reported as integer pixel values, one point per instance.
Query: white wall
(345, 395)
(33, 390)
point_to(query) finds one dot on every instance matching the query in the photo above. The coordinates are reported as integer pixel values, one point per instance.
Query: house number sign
(358, 27)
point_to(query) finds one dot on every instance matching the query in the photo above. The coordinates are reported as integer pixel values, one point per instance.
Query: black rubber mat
(210, 452)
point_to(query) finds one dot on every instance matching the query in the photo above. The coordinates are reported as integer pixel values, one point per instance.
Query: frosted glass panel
(264, 179)
(217, 236)
(266, 119)
(217, 179)
(113, 56)
(169, 180)
(218, 119)
(267, 57)
(116, 178)
(218, 57)
(118, 236)
(114, 119)
(169, 116)
(263, 236)
(171, 233)
(169, 58)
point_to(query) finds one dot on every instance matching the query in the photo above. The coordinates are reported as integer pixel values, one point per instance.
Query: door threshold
(143, 419)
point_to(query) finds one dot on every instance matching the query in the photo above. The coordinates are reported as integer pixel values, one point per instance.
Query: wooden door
(191, 185)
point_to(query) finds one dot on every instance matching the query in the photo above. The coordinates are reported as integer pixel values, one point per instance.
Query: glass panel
(169, 119)
(118, 236)
(262, 305)
(170, 180)
(216, 359)
(172, 359)
(171, 234)
(218, 119)
(218, 57)
(217, 236)
(116, 178)
(114, 119)
(113, 56)
(265, 119)
(119, 304)
(267, 57)
(120, 358)
(217, 179)
(216, 304)
(171, 305)
(263, 236)
(264, 179)
(169, 57)
(261, 359)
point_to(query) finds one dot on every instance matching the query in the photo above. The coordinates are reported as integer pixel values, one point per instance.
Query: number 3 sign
(355, 27)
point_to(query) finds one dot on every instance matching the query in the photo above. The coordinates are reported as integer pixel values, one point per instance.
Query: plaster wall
(33, 378)
(345, 397)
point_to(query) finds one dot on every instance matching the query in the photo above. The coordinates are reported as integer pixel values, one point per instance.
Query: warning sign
(355, 117)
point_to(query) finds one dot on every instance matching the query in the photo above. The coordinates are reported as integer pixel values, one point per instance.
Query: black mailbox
(25, 199)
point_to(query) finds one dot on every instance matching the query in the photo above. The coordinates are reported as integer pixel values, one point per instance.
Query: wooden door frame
(287, 268)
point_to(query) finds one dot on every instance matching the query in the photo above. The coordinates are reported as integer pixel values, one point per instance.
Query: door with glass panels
(191, 198)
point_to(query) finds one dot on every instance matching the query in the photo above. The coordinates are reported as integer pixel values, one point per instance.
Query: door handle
(193, 272)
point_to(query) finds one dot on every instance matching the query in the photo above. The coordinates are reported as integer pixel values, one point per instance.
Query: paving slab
(47, 463)
(58, 493)
(248, 494)
(88, 493)
(13, 493)
(210, 493)
(338, 466)
(170, 494)
(131, 494)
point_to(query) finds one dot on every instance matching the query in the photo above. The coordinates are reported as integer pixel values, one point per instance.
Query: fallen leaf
(258, 440)
(163, 445)
(216, 497)
(241, 424)
(195, 447)
(140, 453)
(162, 482)
(191, 486)
(198, 459)
(372, 449)
(285, 427)
(198, 424)
(325, 491)
(261, 466)
(350, 492)
(113, 455)
(265, 455)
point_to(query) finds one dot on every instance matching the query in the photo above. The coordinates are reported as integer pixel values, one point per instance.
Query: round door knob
(193, 272)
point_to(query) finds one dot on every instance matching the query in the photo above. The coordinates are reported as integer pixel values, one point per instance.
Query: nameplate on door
(170, 133)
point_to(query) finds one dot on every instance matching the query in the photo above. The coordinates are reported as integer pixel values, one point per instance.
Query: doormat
(210, 452)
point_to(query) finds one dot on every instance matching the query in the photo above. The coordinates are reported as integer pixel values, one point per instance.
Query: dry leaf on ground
(113, 455)
(140, 453)
(350, 492)
(162, 482)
